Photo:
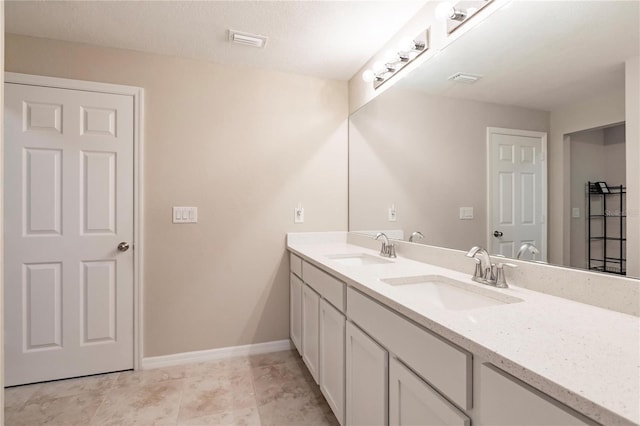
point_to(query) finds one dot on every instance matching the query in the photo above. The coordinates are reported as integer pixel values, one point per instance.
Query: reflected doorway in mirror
(517, 191)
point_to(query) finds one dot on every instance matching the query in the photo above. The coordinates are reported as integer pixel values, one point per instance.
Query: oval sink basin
(358, 259)
(447, 293)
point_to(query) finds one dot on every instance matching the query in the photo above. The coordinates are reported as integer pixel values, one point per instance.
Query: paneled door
(68, 233)
(517, 191)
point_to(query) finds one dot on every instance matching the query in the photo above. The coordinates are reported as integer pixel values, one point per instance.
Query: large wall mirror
(539, 110)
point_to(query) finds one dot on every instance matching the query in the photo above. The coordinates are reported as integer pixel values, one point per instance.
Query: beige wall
(599, 111)
(596, 155)
(632, 111)
(244, 146)
(426, 155)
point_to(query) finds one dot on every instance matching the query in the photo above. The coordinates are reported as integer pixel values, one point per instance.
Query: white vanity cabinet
(413, 402)
(332, 357)
(321, 329)
(367, 384)
(381, 363)
(502, 400)
(310, 330)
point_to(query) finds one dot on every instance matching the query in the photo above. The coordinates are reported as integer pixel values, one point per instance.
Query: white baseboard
(214, 354)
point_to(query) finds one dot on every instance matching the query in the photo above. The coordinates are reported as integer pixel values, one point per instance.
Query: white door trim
(138, 143)
(515, 132)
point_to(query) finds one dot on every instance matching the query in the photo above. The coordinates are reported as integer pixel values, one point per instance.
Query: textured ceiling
(330, 39)
(539, 54)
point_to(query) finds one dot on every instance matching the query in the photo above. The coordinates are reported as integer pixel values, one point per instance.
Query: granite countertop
(584, 356)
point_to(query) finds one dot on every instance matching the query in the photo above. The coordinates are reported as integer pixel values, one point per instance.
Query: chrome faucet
(388, 248)
(416, 234)
(527, 247)
(484, 268)
(487, 272)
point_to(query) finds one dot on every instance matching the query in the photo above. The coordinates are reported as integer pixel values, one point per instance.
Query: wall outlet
(466, 213)
(392, 213)
(575, 212)
(185, 215)
(298, 214)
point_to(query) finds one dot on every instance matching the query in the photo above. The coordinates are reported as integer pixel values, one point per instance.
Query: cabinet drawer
(505, 400)
(328, 287)
(295, 264)
(443, 365)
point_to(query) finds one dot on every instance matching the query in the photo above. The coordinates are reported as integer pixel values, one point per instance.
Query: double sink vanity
(414, 340)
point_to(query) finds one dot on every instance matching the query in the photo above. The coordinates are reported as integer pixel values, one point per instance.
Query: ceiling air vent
(246, 39)
(460, 77)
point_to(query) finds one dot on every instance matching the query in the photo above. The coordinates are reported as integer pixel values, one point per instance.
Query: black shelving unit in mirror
(606, 225)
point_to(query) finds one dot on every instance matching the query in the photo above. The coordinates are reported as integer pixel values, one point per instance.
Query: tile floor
(268, 389)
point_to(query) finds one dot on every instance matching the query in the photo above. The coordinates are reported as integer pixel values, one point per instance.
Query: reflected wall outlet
(466, 213)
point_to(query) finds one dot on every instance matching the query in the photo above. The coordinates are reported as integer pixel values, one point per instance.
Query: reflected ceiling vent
(247, 39)
(461, 77)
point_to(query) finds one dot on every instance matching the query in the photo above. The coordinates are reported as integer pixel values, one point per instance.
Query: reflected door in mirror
(517, 190)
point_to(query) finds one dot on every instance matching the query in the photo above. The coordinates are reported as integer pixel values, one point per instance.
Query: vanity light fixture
(408, 50)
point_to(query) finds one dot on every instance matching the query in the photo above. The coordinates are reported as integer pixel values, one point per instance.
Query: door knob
(123, 246)
(497, 234)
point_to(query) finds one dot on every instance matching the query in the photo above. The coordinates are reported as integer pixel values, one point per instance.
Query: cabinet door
(366, 380)
(310, 329)
(332, 334)
(414, 402)
(295, 312)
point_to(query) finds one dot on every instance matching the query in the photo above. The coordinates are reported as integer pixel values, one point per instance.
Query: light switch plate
(185, 214)
(575, 212)
(298, 215)
(466, 213)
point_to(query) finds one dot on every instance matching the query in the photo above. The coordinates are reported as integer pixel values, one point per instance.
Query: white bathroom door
(68, 207)
(517, 191)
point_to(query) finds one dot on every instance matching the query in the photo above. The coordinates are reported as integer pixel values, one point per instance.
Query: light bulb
(444, 11)
(390, 56)
(368, 76)
(406, 44)
(378, 66)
